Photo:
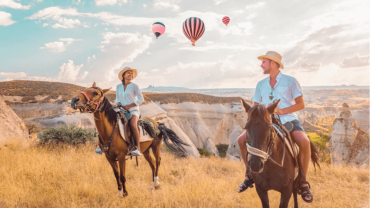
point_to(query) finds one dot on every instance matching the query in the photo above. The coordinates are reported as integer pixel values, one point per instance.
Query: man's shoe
(98, 151)
(135, 152)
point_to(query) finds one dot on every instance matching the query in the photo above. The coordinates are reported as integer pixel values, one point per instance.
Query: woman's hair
(123, 78)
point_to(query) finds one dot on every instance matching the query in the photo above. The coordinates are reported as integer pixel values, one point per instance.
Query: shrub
(204, 153)
(67, 134)
(222, 149)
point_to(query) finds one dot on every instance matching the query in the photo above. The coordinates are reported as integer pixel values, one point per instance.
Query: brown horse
(93, 100)
(270, 163)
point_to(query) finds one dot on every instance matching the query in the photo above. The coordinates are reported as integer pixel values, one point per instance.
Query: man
(286, 88)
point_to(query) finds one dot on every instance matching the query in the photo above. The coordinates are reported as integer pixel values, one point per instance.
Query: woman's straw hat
(274, 56)
(134, 72)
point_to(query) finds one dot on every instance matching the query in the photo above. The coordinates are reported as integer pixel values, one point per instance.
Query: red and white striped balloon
(193, 29)
(226, 20)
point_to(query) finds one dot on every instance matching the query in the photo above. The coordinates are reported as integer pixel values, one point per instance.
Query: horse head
(258, 129)
(89, 100)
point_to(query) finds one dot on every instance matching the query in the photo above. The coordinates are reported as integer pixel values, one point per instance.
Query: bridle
(89, 102)
(267, 155)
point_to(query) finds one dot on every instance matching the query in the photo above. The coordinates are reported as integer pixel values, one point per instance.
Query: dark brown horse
(270, 167)
(93, 100)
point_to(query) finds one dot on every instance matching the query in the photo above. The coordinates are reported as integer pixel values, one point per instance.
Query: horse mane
(110, 113)
(258, 113)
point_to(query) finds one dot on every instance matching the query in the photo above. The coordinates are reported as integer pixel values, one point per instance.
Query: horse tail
(169, 135)
(314, 155)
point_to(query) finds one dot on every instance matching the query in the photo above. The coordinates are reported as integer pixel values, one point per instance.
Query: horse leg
(156, 151)
(285, 196)
(116, 174)
(150, 160)
(122, 173)
(295, 192)
(262, 193)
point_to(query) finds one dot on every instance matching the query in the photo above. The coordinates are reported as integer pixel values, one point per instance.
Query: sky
(323, 43)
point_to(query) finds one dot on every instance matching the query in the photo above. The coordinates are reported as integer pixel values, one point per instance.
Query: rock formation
(348, 143)
(11, 126)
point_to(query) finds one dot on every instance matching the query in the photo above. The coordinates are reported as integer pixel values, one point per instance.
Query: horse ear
(272, 107)
(106, 90)
(94, 85)
(245, 105)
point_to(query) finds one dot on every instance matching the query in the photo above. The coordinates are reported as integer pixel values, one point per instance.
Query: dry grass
(34, 176)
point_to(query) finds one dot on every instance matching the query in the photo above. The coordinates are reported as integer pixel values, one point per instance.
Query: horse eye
(95, 93)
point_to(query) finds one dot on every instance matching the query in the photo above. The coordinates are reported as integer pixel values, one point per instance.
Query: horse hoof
(125, 194)
(157, 187)
(119, 193)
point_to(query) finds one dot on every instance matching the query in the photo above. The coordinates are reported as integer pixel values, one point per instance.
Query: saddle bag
(150, 127)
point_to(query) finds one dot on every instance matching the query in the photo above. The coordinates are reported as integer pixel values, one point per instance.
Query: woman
(129, 96)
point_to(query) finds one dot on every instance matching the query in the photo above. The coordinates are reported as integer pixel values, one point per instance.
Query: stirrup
(245, 185)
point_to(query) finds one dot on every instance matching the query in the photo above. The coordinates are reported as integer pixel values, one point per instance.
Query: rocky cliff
(349, 144)
(11, 126)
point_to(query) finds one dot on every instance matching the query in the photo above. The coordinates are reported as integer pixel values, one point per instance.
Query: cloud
(110, 2)
(255, 5)
(59, 46)
(71, 72)
(55, 14)
(217, 2)
(78, 2)
(326, 46)
(355, 61)
(66, 23)
(13, 5)
(6, 19)
(166, 4)
(13, 75)
(117, 50)
(8, 76)
(230, 71)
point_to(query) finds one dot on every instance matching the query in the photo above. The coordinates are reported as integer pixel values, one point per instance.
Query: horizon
(81, 41)
(148, 87)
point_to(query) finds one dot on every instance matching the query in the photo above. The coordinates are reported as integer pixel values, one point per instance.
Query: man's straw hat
(134, 72)
(274, 56)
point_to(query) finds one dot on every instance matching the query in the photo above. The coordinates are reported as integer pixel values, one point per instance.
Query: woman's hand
(127, 107)
(119, 105)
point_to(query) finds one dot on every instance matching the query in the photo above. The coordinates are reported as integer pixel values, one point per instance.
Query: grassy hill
(37, 176)
(43, 92)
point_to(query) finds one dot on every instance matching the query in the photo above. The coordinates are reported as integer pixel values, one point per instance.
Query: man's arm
(299, 105)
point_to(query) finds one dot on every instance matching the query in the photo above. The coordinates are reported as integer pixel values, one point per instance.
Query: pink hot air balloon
(158, 28)
(193, 29)
(226, 20)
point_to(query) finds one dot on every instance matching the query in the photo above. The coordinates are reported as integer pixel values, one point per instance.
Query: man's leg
(304, 155)
(134, 130)
(242, 140)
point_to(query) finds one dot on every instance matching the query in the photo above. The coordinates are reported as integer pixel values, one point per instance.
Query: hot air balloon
(226, 20)
(193, 29)
(158, 28)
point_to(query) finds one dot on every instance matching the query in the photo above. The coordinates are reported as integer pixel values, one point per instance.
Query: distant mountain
(152, 88)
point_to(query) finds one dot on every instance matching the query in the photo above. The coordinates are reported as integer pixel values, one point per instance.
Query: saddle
(284, 131)
(125, 129)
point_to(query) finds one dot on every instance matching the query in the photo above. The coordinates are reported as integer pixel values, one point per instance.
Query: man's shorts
(297, 125)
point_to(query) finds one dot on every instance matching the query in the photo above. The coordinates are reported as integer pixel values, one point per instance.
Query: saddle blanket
(287, 143)
(143, 138)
